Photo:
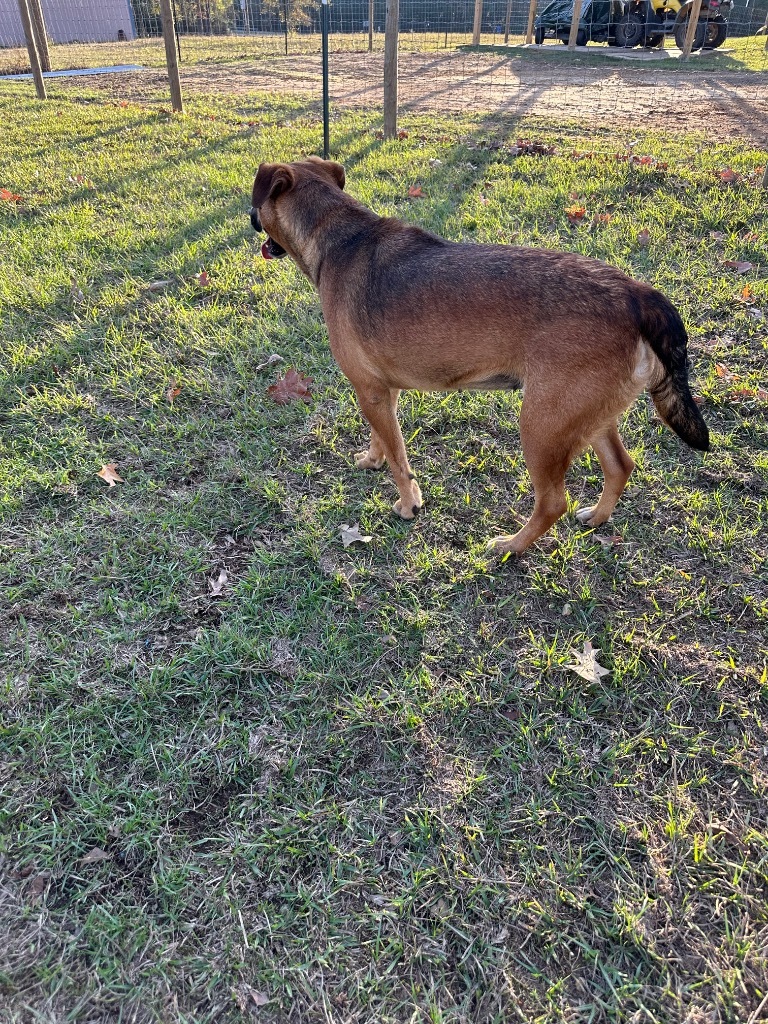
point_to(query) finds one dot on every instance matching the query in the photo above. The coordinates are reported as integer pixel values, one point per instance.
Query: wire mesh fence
(454, 55)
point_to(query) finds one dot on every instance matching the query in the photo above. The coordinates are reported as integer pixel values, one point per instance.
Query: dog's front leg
(379, 406)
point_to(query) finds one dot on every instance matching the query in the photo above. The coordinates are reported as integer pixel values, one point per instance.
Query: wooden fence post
(41, 39)
(169, 37)
(575, 25)
(693, 21)
(507, 20)
(531, 16)
(370, 26)
(478, 22)
(34, 59)
(391, 30)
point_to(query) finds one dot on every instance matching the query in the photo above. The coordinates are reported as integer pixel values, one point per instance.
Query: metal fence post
(34, 59)
(391, 30)
(169, 37)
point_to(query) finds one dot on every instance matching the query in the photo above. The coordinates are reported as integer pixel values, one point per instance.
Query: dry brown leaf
(109, 473)
(173, 392)
(717, 236)
(158, 286)
(575, 213)
(203, 279)
(217, 585)
(38, 883)
(729, 176)
(747, 295)
(587, 665)
(416, 192)
(95, 855)
(644, 238)
(352, 535)
(293, 387)
(740, 266)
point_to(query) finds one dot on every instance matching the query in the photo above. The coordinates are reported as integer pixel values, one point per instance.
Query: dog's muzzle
(270, 250)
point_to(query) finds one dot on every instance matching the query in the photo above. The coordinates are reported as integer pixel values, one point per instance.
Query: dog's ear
(271, 181)
(331, 168)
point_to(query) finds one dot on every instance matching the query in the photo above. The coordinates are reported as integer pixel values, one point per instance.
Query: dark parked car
(597, 23)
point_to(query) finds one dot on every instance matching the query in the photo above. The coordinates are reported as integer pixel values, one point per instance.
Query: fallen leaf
(173, 392)
(602, 218)
(203, 279)
(742, 393)
(575, 213)
(729, 176)
(38, 883)
(532, 147)
(750, 236)
(747, 295)
(108, 472)
(402, 134)
(158, 286)
(9, 197)
(740, 266)
(352, 535)
(717, 236)
(274, 358)
(80, 179)
(644, 238)
(724, 372)
(95, 855)
(587, 665)
(416, 192)
(258, 998)
(217, 585)
(757, 314)
(290, 388)
(434, 162)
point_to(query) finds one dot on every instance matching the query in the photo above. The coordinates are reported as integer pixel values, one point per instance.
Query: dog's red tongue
(265, 251)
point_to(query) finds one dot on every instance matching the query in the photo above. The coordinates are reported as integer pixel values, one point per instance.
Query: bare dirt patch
(637, 96)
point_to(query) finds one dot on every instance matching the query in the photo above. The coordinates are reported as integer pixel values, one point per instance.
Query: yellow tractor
(647, 22)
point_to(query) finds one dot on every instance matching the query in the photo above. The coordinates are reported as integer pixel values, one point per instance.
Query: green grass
(363, 782)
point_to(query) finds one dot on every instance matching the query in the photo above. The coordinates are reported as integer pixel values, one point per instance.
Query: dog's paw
(363, 460)
(505, 544)
(588, 517)
(412, 506)
(584, 515)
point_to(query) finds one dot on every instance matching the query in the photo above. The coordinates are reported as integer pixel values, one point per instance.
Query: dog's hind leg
(548, 454)
(379, 404)
(617, 466)
(374, 457)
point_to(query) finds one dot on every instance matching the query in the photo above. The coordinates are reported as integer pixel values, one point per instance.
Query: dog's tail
(661, 326)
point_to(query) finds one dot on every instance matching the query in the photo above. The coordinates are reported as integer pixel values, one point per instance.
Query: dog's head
(273, 185)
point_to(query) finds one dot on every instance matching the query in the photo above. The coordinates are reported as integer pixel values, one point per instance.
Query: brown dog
(407, 309)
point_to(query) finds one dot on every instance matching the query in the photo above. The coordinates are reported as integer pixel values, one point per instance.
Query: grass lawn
(362, 785)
